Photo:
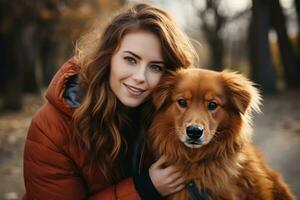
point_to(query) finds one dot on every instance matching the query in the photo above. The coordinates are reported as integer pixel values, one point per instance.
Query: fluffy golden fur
(223, 161)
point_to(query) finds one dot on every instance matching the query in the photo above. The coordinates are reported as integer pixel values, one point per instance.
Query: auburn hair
(98, 119)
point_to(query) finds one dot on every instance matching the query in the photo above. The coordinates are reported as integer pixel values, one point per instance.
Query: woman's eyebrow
(138, 57)
(133, 54)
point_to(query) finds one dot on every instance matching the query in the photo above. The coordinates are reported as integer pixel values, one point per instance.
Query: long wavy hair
(97, 121)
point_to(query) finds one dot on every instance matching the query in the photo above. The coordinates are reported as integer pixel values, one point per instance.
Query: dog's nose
(194, 131)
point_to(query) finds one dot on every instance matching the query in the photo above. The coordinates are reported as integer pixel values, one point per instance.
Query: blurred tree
(212, 23)
(12, 24)
(31, 81)
(266, 14)
(287, 54)
(297, 5)
(262, 71)
(48, 17)
(3, 61)
(33, 35)
(19, 34)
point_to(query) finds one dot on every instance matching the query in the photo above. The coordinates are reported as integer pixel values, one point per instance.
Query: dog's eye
(182, 103)
(212, 105)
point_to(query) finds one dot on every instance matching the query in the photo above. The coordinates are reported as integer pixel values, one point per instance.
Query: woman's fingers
(166, 180)
(177, 182)
(175, 175)
(171, 170)
(178, 188)
(159, 163)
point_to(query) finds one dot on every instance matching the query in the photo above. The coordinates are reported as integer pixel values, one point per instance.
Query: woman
(82, 144)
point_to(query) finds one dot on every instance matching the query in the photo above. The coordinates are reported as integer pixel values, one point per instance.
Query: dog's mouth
(193, 143)
(199, 142)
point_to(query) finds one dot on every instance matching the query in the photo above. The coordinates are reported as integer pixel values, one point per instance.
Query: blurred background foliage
(259, 38)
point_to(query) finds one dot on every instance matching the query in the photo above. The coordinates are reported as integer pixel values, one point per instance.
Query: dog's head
(198, 105)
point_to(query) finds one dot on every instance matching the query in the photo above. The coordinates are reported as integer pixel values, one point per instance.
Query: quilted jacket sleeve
(50, 174)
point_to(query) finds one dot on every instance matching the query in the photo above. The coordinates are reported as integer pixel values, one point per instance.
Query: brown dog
(202, 125)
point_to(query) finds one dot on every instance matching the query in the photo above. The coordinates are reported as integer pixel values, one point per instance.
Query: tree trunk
(31, 80)
(216, 46)
(12, 99)
(262, 71)
(212, 34)
(49, 55)
(297, 3)
(3, 63)
(288, 57)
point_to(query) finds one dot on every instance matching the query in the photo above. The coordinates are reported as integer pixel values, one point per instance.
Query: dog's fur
(224, 162)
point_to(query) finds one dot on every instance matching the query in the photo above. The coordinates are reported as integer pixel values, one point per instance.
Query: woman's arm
(50, 174)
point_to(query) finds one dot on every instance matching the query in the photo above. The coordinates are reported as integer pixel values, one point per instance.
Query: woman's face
(136, 67)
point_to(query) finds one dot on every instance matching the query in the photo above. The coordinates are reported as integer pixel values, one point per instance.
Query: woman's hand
(166, 180)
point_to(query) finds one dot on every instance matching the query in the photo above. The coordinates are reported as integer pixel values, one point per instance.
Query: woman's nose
(139, 74)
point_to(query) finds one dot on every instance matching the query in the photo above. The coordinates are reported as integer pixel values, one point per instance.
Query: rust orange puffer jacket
(54, 167)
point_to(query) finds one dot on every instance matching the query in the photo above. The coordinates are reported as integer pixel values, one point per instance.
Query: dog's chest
(226, 193)
(212, 176)
(219, 183)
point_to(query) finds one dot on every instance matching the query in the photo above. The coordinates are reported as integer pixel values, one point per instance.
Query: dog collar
(195, 194)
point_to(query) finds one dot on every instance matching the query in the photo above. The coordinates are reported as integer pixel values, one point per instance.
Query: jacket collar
(57, 87)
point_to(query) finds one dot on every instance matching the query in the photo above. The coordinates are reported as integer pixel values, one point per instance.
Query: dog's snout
(194, 131)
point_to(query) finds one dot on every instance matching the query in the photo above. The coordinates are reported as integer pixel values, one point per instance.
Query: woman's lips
(134, 90)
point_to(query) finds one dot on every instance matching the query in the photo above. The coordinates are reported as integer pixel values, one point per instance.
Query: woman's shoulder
(51, 126)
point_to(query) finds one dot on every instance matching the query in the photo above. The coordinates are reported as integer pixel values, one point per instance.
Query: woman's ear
(162, 94)
(243, 96)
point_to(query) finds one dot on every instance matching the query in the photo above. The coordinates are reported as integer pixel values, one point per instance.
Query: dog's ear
(243, 96)
(162, 94)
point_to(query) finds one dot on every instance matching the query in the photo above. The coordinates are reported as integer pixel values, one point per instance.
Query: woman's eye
(212, 105)
(182, 103)
(156, 68)
(130, 60)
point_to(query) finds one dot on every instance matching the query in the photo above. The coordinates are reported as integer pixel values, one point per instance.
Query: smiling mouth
(134, 90)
